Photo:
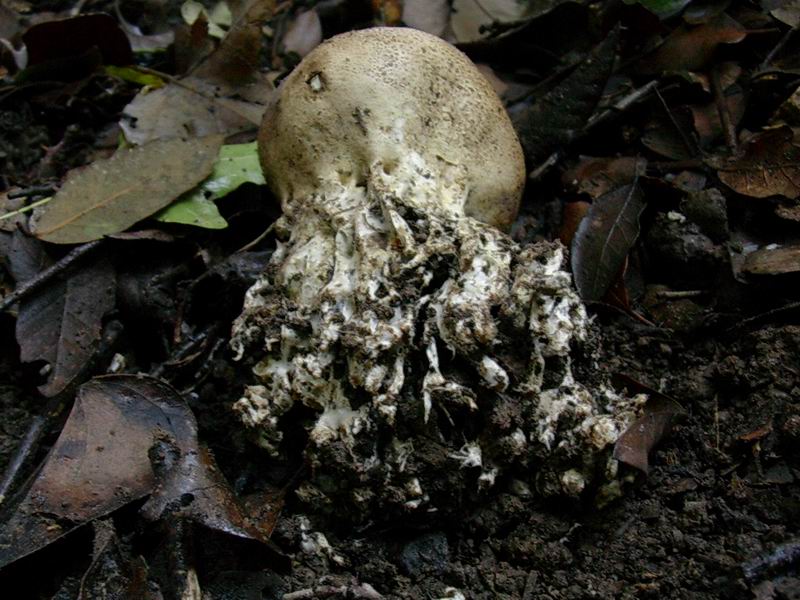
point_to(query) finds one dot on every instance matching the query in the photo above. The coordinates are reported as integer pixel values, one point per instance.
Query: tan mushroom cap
(374, 96)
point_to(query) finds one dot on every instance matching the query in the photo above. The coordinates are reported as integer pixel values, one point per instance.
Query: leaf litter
(126, 437)
(683, 259)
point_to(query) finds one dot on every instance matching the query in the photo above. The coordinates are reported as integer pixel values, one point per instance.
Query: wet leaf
(634, 445)
(61, 324)
(773, 261)
(237, 164)
(690, 48)
(770, 166)
(604, 238)
(99, 462)
(663, 9)
(61, 39)
(556, 118)
(112, 194)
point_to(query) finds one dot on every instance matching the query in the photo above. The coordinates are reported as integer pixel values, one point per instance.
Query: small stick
(28, 287)
(722, 109)
(29, 444)
(25, 209)
(624, 103)
(778, 47)
(36, 190)
(679, 294)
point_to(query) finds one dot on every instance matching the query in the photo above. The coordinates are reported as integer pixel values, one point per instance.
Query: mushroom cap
(369, 99)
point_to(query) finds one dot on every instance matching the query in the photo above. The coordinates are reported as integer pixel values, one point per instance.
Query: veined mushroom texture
(426, 351)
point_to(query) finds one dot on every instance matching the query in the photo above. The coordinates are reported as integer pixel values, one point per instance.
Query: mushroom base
(428, 353)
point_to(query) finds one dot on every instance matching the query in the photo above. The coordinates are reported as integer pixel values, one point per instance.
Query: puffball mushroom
(426, 352)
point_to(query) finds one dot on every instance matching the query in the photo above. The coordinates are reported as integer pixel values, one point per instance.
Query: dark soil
(717, 516)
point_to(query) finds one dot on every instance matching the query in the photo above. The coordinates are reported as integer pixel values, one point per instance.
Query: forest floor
(697, 110)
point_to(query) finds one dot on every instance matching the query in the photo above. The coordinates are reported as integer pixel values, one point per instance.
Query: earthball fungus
(427, 354)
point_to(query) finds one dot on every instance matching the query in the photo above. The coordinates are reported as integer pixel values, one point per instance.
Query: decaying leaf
(773, 261)
(99, 462)
(670, 136)
(604, 238)
(770, 166)
(556, 118)
(110, 195)
(706, 118)
(127, 436)
(634, 445)
(62, 323)
(690, 48)
(598, 176)
(59, 39)
(190, 108)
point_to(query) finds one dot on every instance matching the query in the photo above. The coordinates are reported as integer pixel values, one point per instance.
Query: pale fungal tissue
(427, 354)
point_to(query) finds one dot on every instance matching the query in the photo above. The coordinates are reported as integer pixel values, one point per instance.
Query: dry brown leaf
(189, 108)
(634, 445)
(691, 48)
(110, 195)
(773, 261)
(770, 166)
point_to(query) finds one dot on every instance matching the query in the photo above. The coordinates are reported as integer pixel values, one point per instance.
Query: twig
(722, 109)
(36, 190)
(544, 166)
(254, 242)
(28, 445)
(364, 592)
(622, 104)
(778, 47)
(680, 294)
(765, 315)
(33, 284)
(25, 209)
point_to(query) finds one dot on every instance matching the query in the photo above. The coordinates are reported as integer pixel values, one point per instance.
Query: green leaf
(110, 195)
(663, 9)
(237, 164)
(134, 75)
